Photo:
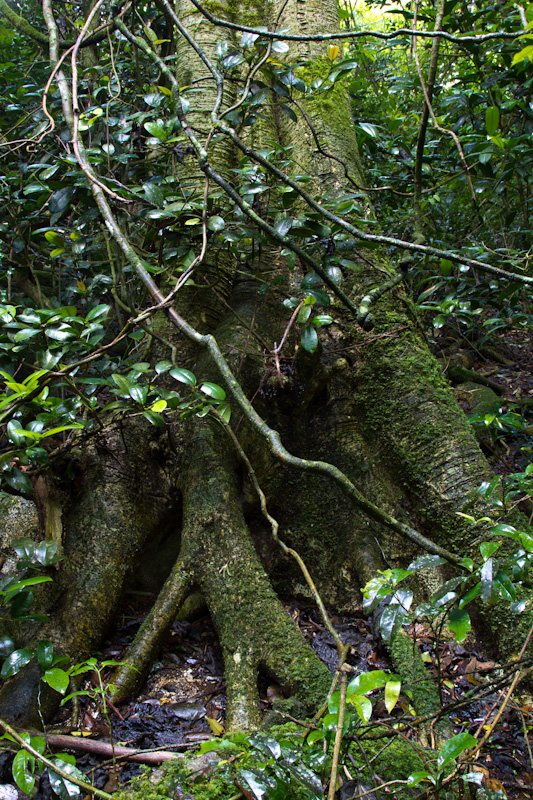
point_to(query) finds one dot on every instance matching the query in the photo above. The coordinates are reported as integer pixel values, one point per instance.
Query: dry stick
(50, 764)
(105, 749)
(338, 738)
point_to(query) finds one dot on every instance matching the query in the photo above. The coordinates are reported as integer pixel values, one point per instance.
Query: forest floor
(183, 701)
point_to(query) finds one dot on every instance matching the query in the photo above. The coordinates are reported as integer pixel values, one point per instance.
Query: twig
(105, 749)
(338, 738)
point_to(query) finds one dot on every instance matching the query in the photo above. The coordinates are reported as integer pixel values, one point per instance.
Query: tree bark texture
(374, 403)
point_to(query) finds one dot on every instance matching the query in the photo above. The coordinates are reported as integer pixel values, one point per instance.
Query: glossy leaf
(153, 417)
(309, 340)
(213, 390)
(7, 645)
(391, 621)
(60, 200)
(486, 581)
(62, 787)
(216, 223)
(14, 662)
(367, 682)
(426, 562)
(45, 653)
(23, 766)
(454, 747)
(308, 779)
(363, 706)
(183, 375)
(57, 678)
(392, 693)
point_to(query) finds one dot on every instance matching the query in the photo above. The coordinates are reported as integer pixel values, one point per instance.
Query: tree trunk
(372, 402)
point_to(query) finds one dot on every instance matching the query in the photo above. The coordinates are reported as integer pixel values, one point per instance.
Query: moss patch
(183, 778)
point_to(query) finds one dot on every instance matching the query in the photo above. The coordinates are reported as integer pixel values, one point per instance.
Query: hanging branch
(351, 34)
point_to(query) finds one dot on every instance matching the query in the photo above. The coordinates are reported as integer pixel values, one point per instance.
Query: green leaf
(45, 653)
(446, 267)
(123, 383)
(98, 311)
(60, 200)
(158, 406)
(46, 552)
(163, 366)
(216, 223)
(391, 621)
(310, 279)
(183, 375)
(392, 692)
(421, 775)
(153, 417)
(363, 706)
(492, 119)
(459, 624)
(60, 334)
(23, 766)
(18, 480)
(15, 432)
(266, 744)
(38, 743)
(367, 682)
(224, 410)
(7, 646)
(307, 778)
(54, 238)
(284, 225)
(139, 394)
(304, 314)
(487, 549)
(26, 333)
(57, 678)
(258, 783)
(15, 662)
(63, 788)
(454, 747)
(154, 129)
(309, 339)
(426, 562)
(213, 390)
(504, 587)
(526, 52)
(322, 319)
(25, 582)
(320, 296)
(289, 112)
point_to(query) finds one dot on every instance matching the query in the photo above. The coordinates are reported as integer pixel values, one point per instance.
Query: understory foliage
(205, 211)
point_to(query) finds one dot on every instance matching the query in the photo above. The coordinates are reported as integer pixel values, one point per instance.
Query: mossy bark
(106, 528)
(374, 403)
